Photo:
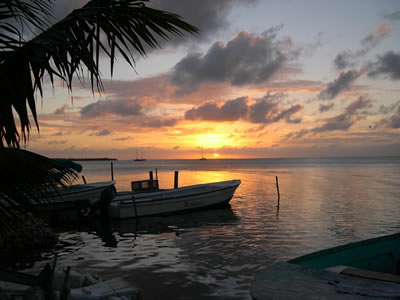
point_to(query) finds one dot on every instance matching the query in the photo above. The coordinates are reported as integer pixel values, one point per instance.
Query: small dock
(290, 281)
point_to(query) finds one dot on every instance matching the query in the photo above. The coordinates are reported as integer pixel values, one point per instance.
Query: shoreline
(91, 159)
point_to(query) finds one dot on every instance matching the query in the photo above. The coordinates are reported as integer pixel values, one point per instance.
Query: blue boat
(368, 269)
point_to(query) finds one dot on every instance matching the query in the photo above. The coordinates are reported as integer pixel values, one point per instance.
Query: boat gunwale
(151, 202)
(307, 258)
(181, 211)
(173, 197)
(93, 187)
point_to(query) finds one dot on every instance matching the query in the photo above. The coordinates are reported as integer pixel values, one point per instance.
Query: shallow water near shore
(214, 254)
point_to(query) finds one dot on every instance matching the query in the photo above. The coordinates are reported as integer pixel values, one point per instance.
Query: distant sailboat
(202, 156)
(137, 157)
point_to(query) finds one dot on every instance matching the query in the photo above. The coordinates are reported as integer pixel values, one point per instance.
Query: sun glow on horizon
(213, 140)
(216, 155)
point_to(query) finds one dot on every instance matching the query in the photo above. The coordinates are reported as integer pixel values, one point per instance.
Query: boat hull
(79, 200)
(368, 269)
(381, 254)
(173, 201)
(90, 192)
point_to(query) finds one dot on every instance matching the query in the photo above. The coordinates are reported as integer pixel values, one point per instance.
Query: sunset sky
(284, 78)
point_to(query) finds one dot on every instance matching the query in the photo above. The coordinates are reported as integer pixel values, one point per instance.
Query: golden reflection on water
(320, 206)
(337, 201)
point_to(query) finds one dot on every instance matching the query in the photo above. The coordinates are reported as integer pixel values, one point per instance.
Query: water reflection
(176, 224)
(213, 254)
(178, 247)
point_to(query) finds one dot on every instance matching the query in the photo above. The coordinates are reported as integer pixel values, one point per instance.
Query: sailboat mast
(202, 155)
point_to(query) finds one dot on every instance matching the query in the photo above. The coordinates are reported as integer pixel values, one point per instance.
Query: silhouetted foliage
(61, 51)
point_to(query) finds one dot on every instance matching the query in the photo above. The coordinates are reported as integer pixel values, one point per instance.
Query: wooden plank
(371, 275)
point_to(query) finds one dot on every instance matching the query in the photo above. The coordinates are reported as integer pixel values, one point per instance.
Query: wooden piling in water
(176, 179)
(277, 189)
(112, 171)
(151, 175)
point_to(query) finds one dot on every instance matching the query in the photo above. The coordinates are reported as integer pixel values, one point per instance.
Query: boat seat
(346, 270)
(145, 185)
(372, 275)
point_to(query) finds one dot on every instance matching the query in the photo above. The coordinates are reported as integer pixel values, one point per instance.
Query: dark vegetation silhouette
(33, 50)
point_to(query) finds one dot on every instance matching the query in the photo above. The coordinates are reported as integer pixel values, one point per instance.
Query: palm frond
(74, 44)
(24, 171)
(27, 178)
(25, 14)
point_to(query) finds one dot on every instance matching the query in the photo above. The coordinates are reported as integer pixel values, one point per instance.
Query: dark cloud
(340, 84)
(308, 50)
(103, 132)
(121, 139)
(246, 59)
(62, 110)
(396, 121)
(373, 39)
(388, 109)
(286, 114)
(62, 142)
(350, 59)
(209, 16)
(340, 122)
(117, 107)
(392, 122)
(295, 134)
(59, 133)
(344, 60)
(393, 16)
(157, 89)
(324, 108)
(176, 148)
(231, 110)
(345, 120)
(388, 64)
(381, 123)
(262, 111)
(358, 104)
(157, 123)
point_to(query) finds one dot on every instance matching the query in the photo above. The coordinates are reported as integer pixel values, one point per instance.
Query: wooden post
(112, 171)
(157, 185)
(151, 181)
(176, 179)
(277, 189)
(136, 214)
(65, 287)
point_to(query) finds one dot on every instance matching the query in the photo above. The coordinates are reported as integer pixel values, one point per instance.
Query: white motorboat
(89, 191)
(163, 202)
(84, 198)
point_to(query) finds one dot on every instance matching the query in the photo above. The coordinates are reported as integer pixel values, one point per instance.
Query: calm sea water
(214, 254)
